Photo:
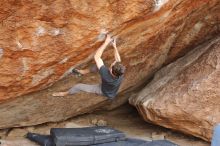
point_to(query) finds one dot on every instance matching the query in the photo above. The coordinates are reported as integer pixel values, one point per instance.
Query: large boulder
(41, 41)
(185, 95)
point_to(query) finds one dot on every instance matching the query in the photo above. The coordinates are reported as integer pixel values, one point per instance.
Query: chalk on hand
(102, 35)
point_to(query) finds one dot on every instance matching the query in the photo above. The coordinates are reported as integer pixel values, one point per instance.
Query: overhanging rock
(41, 40)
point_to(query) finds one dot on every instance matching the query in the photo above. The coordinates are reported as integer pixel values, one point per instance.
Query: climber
(111, 77)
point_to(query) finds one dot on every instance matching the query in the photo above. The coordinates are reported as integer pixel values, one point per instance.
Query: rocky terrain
(124, 118)
(185, 94)
(42, 41)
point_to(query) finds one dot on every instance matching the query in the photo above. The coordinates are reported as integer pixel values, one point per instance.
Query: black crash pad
(127, 142)
(85, 136)
(138, 142)
(42, 140)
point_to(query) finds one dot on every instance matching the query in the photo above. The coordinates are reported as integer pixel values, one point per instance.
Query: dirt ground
(124, 118)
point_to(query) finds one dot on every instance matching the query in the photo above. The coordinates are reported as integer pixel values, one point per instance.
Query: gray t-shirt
(110, 84)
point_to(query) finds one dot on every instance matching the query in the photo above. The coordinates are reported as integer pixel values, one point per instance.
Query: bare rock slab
(41, 41)
(185, 95)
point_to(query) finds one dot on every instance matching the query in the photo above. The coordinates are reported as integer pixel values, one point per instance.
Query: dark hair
(118, 69)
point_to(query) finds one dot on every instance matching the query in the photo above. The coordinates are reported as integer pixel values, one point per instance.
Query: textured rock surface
(185, 95)
(124, 118)
(41, 40)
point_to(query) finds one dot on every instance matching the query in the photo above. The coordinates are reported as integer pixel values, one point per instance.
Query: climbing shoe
(76, 72)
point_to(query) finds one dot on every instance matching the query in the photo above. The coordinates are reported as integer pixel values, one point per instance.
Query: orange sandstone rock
(185, 95)
(41, 41)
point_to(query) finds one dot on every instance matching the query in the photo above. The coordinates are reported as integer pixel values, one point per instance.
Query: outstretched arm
(116, 53)
(98, 54)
